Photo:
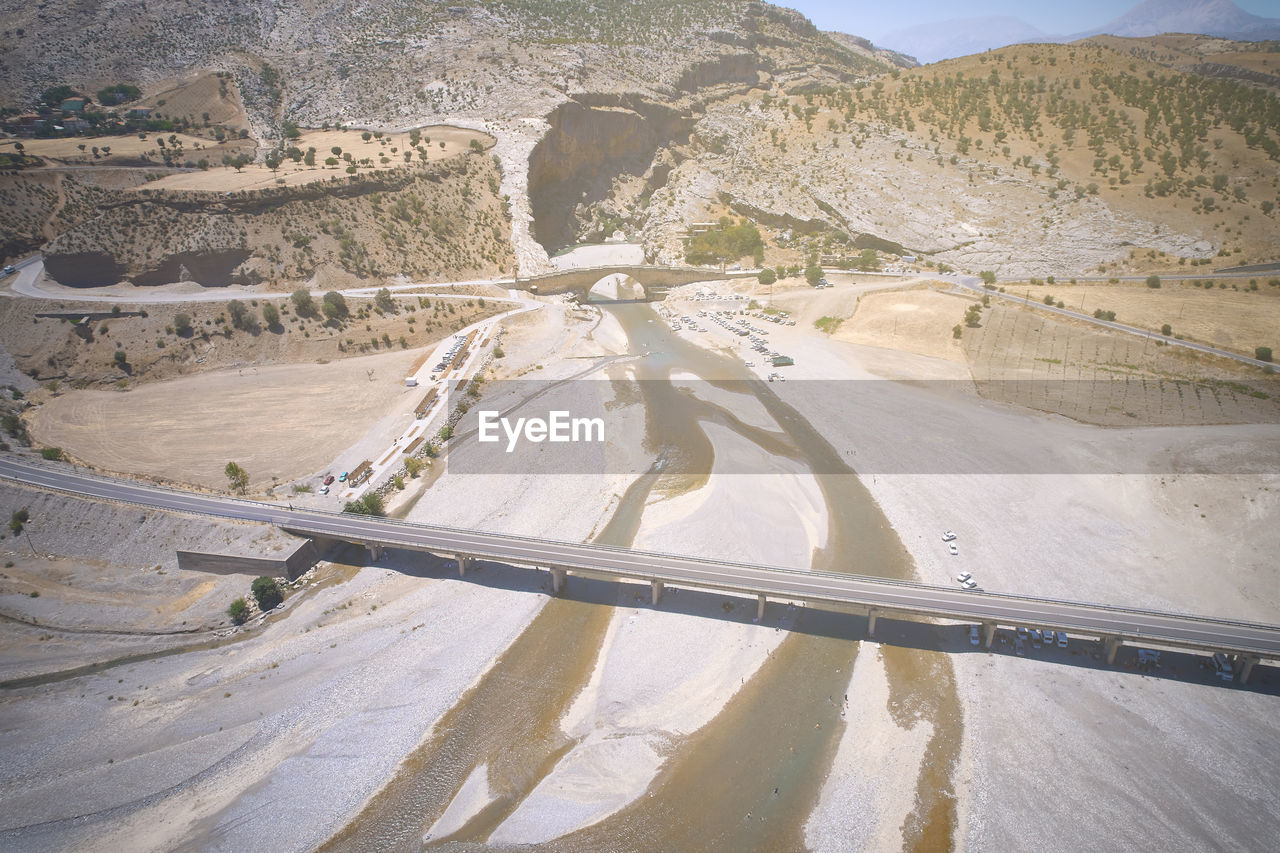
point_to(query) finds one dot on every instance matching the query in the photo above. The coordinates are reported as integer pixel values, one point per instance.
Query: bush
(270, 315)
(335, 306)
(303, 304)
(238, 611)
(53, 454)
(237, 477)
(370, 504)
(1166, 330)
(1262, 353)
(182, 324)
(767, 276)
(1153, 281)
(957, 331)
(17, 520)
(267, 593)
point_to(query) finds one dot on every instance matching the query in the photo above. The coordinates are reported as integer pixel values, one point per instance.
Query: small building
(73, 105)
(139, 112)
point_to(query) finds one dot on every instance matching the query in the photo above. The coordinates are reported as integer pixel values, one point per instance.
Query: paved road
(975, 284)
(1137, 626)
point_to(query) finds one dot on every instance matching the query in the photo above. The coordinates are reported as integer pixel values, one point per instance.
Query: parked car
(973, 635)
(9, 270)
(1022, 632)
(342, 478)
(324, 490)
(328, 480)
(952, 549)
(948, 536)
(963, 576)
(1019, 647)
(1036, 637)
(1048, 638)
(1062, 639)
(969, 584)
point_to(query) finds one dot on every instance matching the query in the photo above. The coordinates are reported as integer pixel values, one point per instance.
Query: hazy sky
(873, 18)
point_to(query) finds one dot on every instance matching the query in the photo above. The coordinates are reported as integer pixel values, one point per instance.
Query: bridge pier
(871, 622)
(376, 552)
(760, 607)
(1113, 646)
(656, 588)
(988, 634)
(557, 581)
(464, 563)
(1246, 667)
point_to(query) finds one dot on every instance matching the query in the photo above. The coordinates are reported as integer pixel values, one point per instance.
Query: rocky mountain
(646, 117)
(1206, 17)
(962, 36)
(933, 42)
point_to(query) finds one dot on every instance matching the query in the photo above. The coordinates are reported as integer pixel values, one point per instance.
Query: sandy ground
(606, 254)
(292, 715)
(444, 142)
(1168, 540)
(186, 430)
(917, 321)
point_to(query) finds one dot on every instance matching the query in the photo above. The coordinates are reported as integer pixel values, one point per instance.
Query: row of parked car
(458, 341)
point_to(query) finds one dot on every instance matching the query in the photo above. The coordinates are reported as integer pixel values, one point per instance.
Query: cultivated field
(277, 422)
(1096, 376)
(1224, 313)
(377, 152)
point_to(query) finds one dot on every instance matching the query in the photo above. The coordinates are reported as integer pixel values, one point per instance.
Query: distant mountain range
(964, 36)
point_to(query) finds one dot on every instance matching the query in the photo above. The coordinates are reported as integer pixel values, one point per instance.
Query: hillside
(1040, 160)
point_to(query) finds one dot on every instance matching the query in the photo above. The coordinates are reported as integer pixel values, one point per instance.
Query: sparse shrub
(267, 593)
(1262, 353)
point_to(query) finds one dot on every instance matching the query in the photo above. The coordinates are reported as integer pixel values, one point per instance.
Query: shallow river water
(749, 779)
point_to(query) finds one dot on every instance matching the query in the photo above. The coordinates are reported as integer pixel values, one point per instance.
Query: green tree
(383, 300)
(273, 159)
(813, 274)
(182, 324)
(271, 315)
(413, 466)
(309, 158)
(767, 276)
(868, 260)
(238, 611)
(988, 277)
(1166, 330)
(1262, 353)
(370, 504)
(237, 478)
(303, 303)
(267, 593)
(239, 315)
(16, 520)
(335, 306)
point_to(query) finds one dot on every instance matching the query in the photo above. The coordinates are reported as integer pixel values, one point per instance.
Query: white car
(952, 549)
(948, 536)
(324, 490)
(963, 576)
(969, 584)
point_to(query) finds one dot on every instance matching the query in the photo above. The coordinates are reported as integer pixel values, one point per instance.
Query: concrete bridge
(870, 596)
(656, 280)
